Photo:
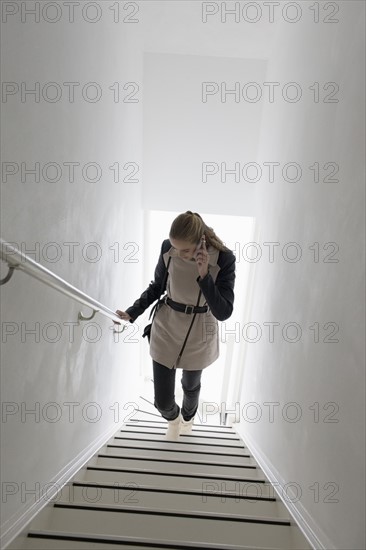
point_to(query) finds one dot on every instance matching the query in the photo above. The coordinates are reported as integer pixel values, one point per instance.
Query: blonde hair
(190, 227)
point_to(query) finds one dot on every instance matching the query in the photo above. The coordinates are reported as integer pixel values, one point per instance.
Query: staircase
(140, 491)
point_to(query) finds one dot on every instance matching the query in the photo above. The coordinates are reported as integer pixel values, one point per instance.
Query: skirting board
(18, 523)
(311, 531)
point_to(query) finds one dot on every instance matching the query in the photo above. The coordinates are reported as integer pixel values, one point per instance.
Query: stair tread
(155, 441)
(194, 437)
(177, 468)
(204, 502)
(184, 454)
(199, 427)
(251, 488)
(152, 418)
(38, 543)
(166, 529)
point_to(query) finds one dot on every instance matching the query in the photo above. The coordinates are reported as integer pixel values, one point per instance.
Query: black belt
(185, 308)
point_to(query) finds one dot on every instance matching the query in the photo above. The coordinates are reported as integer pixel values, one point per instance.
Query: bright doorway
(221, 380)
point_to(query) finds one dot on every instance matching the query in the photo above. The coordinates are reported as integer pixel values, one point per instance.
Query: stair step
(196, 435)
(155, 441)
(153, 423)
(42, 541)
(172, 455)
(254, 489)
(202, 503)
(168, 528)
(204, 443)
(186, 469)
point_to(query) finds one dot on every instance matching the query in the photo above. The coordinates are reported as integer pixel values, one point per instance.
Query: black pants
(164, 386)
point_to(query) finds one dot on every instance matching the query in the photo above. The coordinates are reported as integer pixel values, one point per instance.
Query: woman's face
(185, 249)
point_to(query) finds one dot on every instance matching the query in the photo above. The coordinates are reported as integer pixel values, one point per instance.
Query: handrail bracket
(82, 317)
(8, 275)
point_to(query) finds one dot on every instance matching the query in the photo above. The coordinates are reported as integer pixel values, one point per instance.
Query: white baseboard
(18, 523)
(306, 523)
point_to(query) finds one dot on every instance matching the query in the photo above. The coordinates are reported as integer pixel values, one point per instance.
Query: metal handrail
(17, 260)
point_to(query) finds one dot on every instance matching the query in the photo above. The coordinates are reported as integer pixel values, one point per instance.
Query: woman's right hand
(125, 316)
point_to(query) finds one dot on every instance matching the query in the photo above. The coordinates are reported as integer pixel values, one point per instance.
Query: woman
(200, 288)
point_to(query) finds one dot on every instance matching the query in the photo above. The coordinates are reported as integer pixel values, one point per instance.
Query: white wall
(325, 454)
(35, 450)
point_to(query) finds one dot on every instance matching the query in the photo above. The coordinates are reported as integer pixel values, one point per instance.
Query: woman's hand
(125, 316)
(201, 256)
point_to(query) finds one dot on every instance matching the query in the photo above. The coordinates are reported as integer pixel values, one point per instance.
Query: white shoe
(173, 430)
(186, 426)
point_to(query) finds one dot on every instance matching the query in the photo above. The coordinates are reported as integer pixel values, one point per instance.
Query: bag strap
(155, 308)
(189, 330)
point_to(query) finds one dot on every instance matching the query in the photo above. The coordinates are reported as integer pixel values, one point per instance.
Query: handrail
(18, 260)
